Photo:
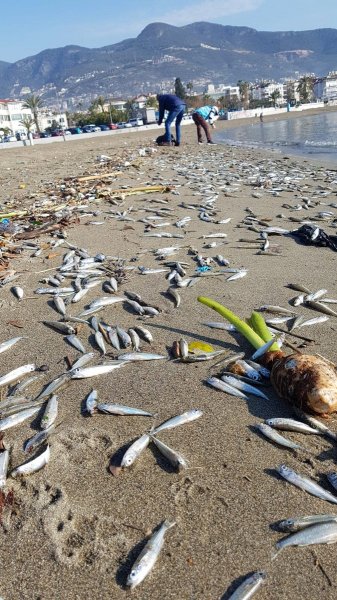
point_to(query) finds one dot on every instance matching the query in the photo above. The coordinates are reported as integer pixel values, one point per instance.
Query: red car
(112, 126)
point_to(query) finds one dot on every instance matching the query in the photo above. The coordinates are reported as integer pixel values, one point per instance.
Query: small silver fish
(135, 450)
(59, 305)
(34, 465)
(123, 337)
(276, 309)
(249, 586)
(95, 371)
(322, 308)
(76, 342)
(322, 533)
(315, 295)
(4, 460)
(82, 360)
(315, 423)
(238, 275)
(91, 402)
(105, 301)
(137, 356)
(16, 374)
(314, 321)
(139, 310)
(271, 434)
(244, 387)
(36, 440)
(60, 327)
(135, 339)
(148, 556)
(175, 458)
(291, 425)
(299, 523)
(185, 417)
(225, 387)
(306, 484)
(17, 291)
(54, 385)
(145, 334)
(99, 339)
(50, 413)
(119, 409)
(17, 418)
(9, 343)
(114, 339)
(261, 351)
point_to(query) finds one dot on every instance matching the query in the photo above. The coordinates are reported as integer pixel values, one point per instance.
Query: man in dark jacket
(176, 108)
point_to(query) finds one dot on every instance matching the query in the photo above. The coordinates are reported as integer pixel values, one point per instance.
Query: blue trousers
(176, 114)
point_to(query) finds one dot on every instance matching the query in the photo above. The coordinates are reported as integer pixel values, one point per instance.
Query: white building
(325, 88)
(264, 91)
(12, 112)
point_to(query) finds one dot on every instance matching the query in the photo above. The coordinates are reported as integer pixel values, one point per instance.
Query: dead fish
(135, 339)
(299, 288)
(54, 385)
(321, 533)
(216, 325)
(314, 321)
(214, 235)
(183, 348)
(271, 434)
(315, 423)
(137, 356)
(4, 460)
(135, 450)
(34, 465)
(201, 357)
(298, 300)
(225, 387)
(114, 339)
(76, 342)
(95, 371)
(91, 402)
(145, 334)
(249, 586)
(60, 327)
(123, 337)
(291, 425)
(39, 438)
(79, 295)
(148, 556)
(17, 291)
(276, 309)
(306, 484)
(185, 417)
(82, 360)
(119, 409)
(105, 301)
(263, 349)
(50, 413)
(321, 308)
(139, 310)
(244, 387)
(16, 374)
(243, 368)
(17, 418)
(145, 271)
(174, 294)
(9, 343)
(99, 339)
(315, 295)
(299, 523)
(174, 458)
(238, 275)
(59, 305)
(90, 311)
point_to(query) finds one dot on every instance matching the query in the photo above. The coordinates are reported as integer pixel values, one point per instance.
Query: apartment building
(325, 88)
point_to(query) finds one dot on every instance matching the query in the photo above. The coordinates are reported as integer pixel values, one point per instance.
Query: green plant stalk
(258, 323)
(240, 325)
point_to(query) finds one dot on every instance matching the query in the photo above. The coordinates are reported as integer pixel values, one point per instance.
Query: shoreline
(73, 522)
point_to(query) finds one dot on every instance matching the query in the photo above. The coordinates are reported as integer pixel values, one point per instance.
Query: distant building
(264, 90)
(325, 88)
(11, 113)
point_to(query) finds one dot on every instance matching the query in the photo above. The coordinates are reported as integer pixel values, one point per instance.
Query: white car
(136, 122)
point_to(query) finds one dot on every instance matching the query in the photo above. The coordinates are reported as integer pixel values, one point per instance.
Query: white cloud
(209, 10)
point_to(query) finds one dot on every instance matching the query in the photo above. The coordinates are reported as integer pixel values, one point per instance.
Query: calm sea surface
(313, 137)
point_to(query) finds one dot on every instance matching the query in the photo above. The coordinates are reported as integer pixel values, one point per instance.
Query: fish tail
(169, 524)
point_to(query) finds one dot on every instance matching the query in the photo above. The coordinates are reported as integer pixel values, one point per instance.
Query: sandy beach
(73, 530)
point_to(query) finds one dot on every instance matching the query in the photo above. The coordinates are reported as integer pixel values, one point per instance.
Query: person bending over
(176, 108)
(203, 117)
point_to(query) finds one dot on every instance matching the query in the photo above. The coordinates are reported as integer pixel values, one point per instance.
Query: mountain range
(200, 53)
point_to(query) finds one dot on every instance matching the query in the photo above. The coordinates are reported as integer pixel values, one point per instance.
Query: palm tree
(305, 88)
(34, 103)
(28, 122)
(274, 96)
(189, 86)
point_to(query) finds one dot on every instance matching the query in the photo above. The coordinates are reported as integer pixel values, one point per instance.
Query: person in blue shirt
(175, 107)
(202, 117)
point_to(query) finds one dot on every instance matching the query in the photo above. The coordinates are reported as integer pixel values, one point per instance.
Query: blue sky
(30, 26)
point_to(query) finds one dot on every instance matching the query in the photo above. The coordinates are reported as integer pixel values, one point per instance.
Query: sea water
(309, 136)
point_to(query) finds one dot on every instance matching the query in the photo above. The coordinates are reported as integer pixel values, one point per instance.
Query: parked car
(112, 126)
(123, 125)
(9, 138)
(36, 135)
(104, 127)
(75, 130)
(136, 122)
(91, 128)
(45, 134)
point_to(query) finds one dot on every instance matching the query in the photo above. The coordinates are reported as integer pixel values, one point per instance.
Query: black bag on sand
(161, 141)
(313, 235)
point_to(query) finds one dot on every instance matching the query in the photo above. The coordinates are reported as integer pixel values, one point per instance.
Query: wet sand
(75, 530)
